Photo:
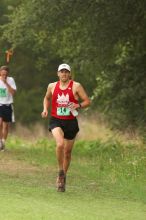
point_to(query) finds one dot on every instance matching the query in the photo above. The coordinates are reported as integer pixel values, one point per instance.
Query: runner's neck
(64, 85)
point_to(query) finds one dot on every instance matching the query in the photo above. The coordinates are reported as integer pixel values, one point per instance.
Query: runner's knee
(60, 145)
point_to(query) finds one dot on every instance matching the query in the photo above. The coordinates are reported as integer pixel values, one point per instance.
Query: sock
(0, 143)
(3, 141)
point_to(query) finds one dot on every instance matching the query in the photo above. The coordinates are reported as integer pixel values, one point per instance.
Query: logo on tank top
(3, 92)
(63, 99)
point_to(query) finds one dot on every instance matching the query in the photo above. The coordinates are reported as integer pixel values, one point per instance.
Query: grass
(106, 180)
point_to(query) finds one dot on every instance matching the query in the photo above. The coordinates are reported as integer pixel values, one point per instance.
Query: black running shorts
(70, 127)
(6, 113)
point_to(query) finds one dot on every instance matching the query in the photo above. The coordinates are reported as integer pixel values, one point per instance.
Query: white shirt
(5, 96)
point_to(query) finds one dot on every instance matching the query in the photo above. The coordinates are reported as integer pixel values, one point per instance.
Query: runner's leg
(1, 132)
(1, 128)
(68, 145)
(5, 130)
(59, 138)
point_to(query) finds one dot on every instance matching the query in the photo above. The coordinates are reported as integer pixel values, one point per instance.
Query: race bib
(3, 92)
(63, 111)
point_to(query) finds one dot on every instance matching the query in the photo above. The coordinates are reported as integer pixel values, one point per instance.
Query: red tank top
(60, 100)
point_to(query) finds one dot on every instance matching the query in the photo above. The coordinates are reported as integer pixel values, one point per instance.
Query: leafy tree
(103, 40)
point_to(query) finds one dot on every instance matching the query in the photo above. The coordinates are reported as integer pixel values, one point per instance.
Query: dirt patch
(14, 166)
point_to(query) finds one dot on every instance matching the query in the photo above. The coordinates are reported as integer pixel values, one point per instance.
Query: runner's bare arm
(85, 101)
(46, 101)
(10, 89)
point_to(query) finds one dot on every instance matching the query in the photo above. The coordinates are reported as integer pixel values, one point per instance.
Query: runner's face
(3, 74)
(64, 75)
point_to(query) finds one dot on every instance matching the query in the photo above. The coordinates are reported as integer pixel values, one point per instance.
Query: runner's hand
(44, 114)
(72, 105)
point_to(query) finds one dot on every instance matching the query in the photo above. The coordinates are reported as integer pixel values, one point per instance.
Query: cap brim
(63, 69)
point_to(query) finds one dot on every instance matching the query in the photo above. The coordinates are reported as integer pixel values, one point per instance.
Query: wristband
(80, 105)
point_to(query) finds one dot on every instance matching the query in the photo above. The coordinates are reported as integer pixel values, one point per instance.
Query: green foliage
(116, 165)
(104, 41)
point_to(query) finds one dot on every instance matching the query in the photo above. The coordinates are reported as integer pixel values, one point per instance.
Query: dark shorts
(69, 127)
(6, 113)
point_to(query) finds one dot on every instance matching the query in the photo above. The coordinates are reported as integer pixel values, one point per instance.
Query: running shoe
(61, 181)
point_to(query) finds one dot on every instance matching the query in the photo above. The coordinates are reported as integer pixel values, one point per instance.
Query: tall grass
(92, 127)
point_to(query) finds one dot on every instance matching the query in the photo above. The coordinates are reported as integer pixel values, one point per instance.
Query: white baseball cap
(64, 66)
